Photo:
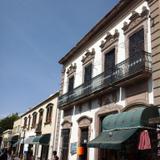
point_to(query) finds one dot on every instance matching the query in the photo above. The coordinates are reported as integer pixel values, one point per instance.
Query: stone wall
(155, 40)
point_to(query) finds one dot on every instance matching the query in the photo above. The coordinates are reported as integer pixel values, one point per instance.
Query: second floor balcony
(133, 68)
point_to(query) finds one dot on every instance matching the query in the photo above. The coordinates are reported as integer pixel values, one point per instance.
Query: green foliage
(7, 122)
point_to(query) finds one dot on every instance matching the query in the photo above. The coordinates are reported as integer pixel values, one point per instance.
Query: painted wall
(46, 128)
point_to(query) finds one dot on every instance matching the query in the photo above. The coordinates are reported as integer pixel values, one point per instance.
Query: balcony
(132, 69)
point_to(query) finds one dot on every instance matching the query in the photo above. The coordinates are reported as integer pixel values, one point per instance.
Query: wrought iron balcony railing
(135, 65)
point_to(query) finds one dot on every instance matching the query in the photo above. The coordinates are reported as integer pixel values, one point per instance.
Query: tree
(7, 122)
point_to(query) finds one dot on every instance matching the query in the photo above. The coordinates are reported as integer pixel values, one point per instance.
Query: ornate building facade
(111, 75)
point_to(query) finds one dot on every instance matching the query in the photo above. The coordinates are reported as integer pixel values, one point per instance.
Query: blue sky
(34, 35)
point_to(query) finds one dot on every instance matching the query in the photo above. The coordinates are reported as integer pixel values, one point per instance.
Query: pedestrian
(30, 155)
(4, 154)
(9, 155)
(15, 157)
(55, 157)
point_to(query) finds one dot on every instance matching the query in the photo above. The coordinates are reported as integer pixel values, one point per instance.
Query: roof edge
(95, 29)
(41, 103)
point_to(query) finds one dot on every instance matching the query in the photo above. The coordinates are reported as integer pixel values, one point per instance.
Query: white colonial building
(112, 69)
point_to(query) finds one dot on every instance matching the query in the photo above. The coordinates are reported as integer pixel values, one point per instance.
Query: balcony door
(87, 78)
(136, 48)
(71, 85)
(109, 66)
(136, 43)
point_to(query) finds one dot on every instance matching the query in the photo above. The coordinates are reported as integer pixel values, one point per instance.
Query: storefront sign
(73, 148)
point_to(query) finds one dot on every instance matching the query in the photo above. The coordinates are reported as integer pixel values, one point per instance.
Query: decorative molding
(66, 124)
(34, 113)
(135, 19)
(84, 121)
(41, 110)
(135, 105)
(88, 56)
(71, 69)
(106, 109)
(109, 39)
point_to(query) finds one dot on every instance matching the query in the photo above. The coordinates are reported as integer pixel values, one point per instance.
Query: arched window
(29, 121)
(25, 122)
(49, 113)
(34, 119)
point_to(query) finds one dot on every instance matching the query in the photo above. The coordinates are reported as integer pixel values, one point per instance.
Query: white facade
(98, 68)
(98, 60)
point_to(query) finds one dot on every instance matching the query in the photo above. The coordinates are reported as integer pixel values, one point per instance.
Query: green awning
(29, 140)
(36, 139)
(43, 139)
(118, 128)
(111, 140)
(136, 117)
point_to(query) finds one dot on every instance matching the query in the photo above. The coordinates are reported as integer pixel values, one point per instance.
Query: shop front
(13, 140)
(42, 146)
(128, 135)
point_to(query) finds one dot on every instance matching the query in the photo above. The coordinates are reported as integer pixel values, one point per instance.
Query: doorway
(65, 144)
(83, 142)
(44, 152)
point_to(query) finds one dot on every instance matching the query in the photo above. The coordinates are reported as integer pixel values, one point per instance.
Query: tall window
(136, 43)
(109, 62)
(71, 84)
(136, 48)
(39, 126)
(34, 119)
(88, 74)
(40, 115)
(29, 121)
(109, 67)
(49, 113)
(25, 122)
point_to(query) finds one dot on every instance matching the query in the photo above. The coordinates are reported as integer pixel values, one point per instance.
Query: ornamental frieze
(71, 69)
(135, 19)
(109, 39)
(88, 56)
